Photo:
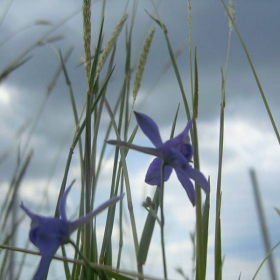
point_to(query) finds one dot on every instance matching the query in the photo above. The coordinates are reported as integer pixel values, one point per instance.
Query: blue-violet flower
(48, 233)
(175, 154)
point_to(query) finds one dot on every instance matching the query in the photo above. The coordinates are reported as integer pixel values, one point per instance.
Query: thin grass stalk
(173, 60)
(75, 112)
(162, 221)
(190, 44)
(195, 95)
(115, 177)
(218, 235)
(77, 135)
(89, 169)
(8, 259)
(124, 104)
(94, 256)
(106, 137)
(114, 183)
(127, 109)
(218, 241)
(5, 12)
(22, 262)
(88, 179)
(108, 256)
(15, 186)
(98, 114)
(127, 183)
(263, 225)
(122, 183)
(4, 270)
(76, 119)
(148, 230)
(255, 75)
(97, 118)
(17, 135)
(120, 226)
(107, 241)
(264, 260)
(101, 273)
(75, 141)
(127, 77)
(76, 138)
(8, 196)
(201, 252)
(39, 42)
(199, 230)
(93, 156)
(43, 104)
(12, 67)
(119, 275)
(76, 269)
(123, 101)
(117, 172)
(12, 183)
(205, 226)
(106, 246)
(24, 28)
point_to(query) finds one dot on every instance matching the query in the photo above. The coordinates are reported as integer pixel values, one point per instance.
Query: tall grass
(102, 252)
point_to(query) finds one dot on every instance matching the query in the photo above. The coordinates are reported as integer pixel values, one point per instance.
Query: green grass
(97, 256)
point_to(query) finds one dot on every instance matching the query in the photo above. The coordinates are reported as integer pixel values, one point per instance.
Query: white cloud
(5, 96)
(249, 142)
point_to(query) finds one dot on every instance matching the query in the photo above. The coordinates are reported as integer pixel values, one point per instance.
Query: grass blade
(255, 74)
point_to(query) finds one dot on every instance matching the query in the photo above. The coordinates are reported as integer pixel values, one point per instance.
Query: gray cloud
(159, 92)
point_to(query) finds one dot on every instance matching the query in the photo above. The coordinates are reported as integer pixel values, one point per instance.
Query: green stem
(255, 75)
(126, 179)
(162, 221)
(199, 247)
(266, 257)
(218, 238)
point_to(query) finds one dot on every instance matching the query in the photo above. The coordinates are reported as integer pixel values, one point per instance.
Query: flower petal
(182, 143)
(47, 237)
(34, 217)
(180, 139)
(62, 202)
(146, 150)
(199, 178)
(49, 234)
(83, 220)
(186, 183)
(153, 174)
(150, 128)
(43, 268)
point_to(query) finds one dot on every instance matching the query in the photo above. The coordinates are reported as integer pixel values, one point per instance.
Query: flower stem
(162, 221)
(199, 248)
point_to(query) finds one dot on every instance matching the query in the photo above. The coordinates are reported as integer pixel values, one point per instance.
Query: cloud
(249, 139)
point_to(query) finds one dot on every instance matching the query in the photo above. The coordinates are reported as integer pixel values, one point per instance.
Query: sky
(249, 140)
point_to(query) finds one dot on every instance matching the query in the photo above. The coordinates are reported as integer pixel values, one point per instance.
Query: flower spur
(48, 233)
(175, 154)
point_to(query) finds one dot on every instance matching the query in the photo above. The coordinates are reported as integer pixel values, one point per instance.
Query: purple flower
(48, 233)
(175, 154)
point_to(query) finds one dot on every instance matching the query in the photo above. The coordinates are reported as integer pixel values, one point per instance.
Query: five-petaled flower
(174, 154)
(48, 233)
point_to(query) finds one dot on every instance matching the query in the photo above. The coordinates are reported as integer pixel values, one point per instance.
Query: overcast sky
(249, 138)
